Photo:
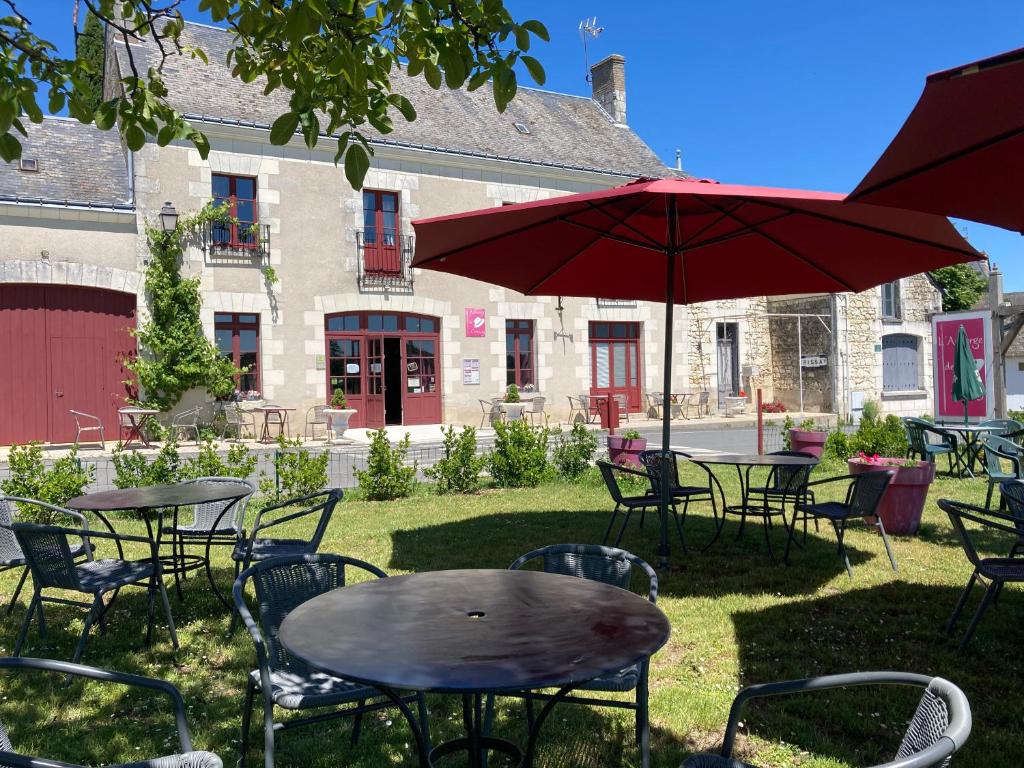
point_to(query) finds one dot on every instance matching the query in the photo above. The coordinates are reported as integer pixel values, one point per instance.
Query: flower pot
(623, 451)
(337, 422)
(808, 441)
(904, 499)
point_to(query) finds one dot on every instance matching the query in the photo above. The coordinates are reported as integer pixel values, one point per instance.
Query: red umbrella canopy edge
(961, 150)
(732, 241)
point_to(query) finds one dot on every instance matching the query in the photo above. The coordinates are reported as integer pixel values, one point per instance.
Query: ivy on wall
(175, 354)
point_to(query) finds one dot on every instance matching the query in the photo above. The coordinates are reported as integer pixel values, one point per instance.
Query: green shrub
(459, 470)
(512, 394)
(871, 411)
(631, 434)
(884, 437)
(30, 479)
(338, 399)
(386, 477)
(131, 470)
(837, 446)
(239, 462)
(787, 441)
(297, 471)
(574, 452)
(520, 455)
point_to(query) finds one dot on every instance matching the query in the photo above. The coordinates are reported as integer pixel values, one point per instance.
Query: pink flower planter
(808, 441)
(903, 503)
(623, 451)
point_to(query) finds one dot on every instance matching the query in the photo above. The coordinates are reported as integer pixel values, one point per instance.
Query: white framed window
(891, 301)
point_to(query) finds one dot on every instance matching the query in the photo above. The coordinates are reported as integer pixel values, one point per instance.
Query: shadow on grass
(729, 566)
(895, 626)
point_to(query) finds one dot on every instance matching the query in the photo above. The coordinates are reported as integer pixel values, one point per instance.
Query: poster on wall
(471, 371)
(476, 322)
(945, 328)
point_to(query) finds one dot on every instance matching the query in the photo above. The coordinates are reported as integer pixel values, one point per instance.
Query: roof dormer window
(523, 128)
(28, 164)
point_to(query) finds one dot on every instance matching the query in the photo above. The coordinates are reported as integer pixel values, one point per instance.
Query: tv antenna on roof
(588, 29)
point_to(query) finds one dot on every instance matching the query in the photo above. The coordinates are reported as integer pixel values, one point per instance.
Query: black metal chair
(652, 461)
(53, 566)
(997, 571)
(784, 481)
(630, 503)
(940, 725)
(11, 556)
(186, 758)
(281, 585)
(609, 566)
(863, 496)
(1012, 492)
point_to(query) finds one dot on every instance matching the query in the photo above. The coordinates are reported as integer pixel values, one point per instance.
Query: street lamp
(168, 217)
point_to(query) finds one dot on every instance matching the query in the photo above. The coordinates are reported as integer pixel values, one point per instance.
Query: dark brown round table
(157, 498)
(474, 632)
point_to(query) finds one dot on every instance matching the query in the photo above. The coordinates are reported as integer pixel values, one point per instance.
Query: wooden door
(615, 361)
(25, 393)
(374, 382)
(422, 393)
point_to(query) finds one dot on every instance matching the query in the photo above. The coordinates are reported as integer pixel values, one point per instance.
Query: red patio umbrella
(961, 151)
(683, 241)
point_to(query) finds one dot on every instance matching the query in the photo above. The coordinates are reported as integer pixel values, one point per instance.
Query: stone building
(346, 310)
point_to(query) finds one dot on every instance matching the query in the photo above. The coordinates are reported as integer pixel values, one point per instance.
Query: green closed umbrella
(967, 383)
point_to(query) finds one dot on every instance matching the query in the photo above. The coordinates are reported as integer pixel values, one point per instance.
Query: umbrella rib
(604, 235)
(747, 229)
(779, 244)
(561, 265)
(870, 228)
(709, 225)
(626, 224)
(933, 164)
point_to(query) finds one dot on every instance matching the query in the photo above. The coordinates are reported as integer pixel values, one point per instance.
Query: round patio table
(474, 632)
(744, 464)
(160, 497)
(971, 434)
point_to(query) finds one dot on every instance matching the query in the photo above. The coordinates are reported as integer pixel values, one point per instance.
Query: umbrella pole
(666, 408)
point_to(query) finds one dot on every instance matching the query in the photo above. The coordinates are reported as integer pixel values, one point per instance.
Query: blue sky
(794, 93)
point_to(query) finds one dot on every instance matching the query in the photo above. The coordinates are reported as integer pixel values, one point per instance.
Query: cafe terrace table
(971, 434)
(282, 420)
(744, 464)
(137, 419)
(159, 498)
(474, 632)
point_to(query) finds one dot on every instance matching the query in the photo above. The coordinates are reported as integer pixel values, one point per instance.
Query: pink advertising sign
(476, 322)
(945, 330)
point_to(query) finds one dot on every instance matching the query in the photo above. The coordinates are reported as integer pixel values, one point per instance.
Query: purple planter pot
(808, 441)
(903, 503)
(623, 451)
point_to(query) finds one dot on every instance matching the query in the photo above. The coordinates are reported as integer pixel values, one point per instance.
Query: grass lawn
(737, 618)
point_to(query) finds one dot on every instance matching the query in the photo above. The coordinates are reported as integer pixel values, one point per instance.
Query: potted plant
(513, 404)
(338, 415)
(626, 448)
(903, 502)
(807, 438)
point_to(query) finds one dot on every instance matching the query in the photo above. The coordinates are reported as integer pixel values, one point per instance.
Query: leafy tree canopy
(962, 285)
(334, 57)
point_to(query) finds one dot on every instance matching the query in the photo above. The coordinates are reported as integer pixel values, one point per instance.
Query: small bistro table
(971, 434)
(744, 464)
(474, 632)
(282, 420)
(137, 419)
(160, 497)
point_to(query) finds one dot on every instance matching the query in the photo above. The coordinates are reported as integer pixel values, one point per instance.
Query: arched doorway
(387, 365)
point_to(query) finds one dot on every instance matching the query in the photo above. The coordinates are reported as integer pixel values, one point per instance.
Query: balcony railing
(611, 303)
(226, 243)
(384, 260)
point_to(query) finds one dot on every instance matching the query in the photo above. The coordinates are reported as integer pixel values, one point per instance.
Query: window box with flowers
(903, 502)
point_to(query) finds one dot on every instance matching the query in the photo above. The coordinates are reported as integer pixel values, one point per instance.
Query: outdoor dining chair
(617, 568)
(997, 571)
(628, 503)
(11, 556)
(1013, 495)
(86, 422)
(588, 408)
(236, 420)
(622, 402)
(1005, 426)
(490, 412)
(655, 402)
(186, 423)
(1000, 452)
(652, 462)
(926, 441)
(185, 758)
(281, 585)
(315, 417)
(939, 727)
(536, 408)
(50, 558)
(702, 405)
(863, 497)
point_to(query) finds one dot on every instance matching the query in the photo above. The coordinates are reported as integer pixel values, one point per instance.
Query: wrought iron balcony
(227, 243)
(384, 261)
(612, 303)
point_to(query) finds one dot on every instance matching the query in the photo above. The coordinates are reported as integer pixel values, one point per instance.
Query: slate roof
(78, 165)
(565, 131)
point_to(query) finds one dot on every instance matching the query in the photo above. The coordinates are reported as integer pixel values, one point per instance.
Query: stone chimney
(608, 79)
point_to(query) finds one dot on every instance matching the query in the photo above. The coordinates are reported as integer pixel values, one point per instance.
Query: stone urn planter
(337, 420)
(626, 449)
(810, 441)
(903, 503)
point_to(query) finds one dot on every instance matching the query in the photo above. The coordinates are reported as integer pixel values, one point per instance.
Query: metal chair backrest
(958, 512)
(867, 490)
(1013, 492)
(653, 461)
(592, 561)
(211, 514)
(1006, 426)
(319, 415)
(9, 549)
(943, 715)
(281, 585)
(789, 478)
(187, 418)
(537, 404)
(48, 555)
(80, 415)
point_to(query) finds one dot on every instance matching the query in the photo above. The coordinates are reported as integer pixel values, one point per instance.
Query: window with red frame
(238, 340)
(519, 353)
(239, 192)
(381, 252)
